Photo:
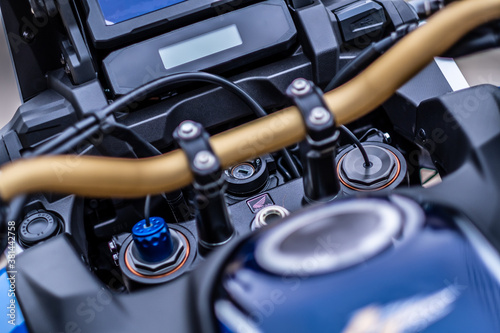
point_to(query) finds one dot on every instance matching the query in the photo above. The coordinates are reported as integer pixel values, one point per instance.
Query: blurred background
(9, 94)
(477, 69)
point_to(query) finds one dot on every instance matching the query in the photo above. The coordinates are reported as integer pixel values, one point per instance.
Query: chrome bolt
(319, 116)
(116, 259)
(188, 130)
(300, 87)
(387, 137)
(112, 246)
(204, 160)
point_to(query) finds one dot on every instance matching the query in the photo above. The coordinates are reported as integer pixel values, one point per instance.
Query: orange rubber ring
(163, 275)
(376, 189)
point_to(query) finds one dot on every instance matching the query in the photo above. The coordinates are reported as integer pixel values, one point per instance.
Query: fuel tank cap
(330, 237)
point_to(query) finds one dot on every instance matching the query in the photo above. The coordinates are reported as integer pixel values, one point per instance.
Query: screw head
(300, 87)
(67, 69)
(422, 134)
(28, 35)
(387, 137)
(319, 116)
(204, 160)
(188, 130)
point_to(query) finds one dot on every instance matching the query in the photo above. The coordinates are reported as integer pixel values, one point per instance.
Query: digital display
(201, 46)
(116, 11)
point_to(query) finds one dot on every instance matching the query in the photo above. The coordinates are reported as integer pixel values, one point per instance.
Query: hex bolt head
(204, 160)
(300, 87)
(188, 130)
(319, 116)
(28, 35)
(157, 268)
(422, 134)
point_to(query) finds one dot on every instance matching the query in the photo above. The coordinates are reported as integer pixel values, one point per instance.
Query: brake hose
(125, 178)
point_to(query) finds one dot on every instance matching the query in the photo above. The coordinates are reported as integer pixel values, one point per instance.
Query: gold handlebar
(127, 178)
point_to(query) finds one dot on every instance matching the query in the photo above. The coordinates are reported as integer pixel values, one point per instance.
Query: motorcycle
(250, 166)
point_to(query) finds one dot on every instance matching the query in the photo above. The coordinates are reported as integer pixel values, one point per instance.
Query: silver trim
(483, 248)
(452, 73)
(230, 316)
(260, 218)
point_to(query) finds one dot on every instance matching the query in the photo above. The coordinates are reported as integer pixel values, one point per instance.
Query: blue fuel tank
(362, 265)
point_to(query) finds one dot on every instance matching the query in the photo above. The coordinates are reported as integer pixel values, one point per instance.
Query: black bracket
(212, 217)
(194, 141)
(321, 181)
(319, 121)
(42, 8)
(75, 53)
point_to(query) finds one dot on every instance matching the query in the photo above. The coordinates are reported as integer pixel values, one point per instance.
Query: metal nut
(164, 266)
(204, 160)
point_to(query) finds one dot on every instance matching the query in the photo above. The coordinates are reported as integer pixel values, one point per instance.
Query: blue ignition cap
(153, 242)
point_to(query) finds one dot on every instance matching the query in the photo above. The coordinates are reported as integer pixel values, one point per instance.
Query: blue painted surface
(5, 301)
(116, 11)
(153, 242)
(434, 281)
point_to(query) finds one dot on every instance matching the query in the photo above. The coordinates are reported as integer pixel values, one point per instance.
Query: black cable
(153, 87)
(162, 83)
(367, 56)
(17, 204)
(141, 94)
(358, 144)
(140, 146)
(51, 146)
(283, 170)
(143, 148)
(147, 210)
(72, 143)
(289, 161)
(377, 131)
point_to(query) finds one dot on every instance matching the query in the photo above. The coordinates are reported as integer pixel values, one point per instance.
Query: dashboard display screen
(200, 46)
(116, 11)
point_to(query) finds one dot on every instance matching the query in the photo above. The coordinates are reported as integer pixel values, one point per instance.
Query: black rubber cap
(38, 227)
(247, 177)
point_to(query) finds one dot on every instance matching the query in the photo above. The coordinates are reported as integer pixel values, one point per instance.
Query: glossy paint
(434, 281)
